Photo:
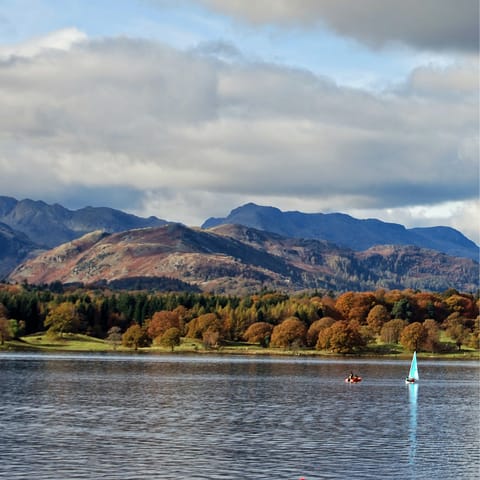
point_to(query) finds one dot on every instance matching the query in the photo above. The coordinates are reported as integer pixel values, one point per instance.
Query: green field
(83, 343)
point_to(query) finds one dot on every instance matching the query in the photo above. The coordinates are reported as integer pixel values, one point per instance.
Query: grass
(68, 342)
(83, 343)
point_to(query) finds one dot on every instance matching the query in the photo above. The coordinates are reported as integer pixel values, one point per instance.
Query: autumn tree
(456, 330)
(211, 337)
(377, 317)
(135, 337)
(341, 337)
(391, 331)
(171, 338)
(199, 325)
(329, 309)
(291, 332)
(432, 341)
(259, 332)
(463, 305)
(413, 336)
(161, 322)
(316, 327)
(62, 318)
(355, 306)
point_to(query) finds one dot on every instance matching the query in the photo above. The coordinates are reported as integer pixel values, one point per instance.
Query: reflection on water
(177, 417)
(412, 394)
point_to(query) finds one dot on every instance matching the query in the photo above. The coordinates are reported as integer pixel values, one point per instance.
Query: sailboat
(413, 373)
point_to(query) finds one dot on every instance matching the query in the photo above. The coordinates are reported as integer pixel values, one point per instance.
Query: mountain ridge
(51, 225)
(237, 259)
(347, 231)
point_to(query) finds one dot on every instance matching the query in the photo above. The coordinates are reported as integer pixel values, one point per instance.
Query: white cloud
(190, 137)
(59, 40)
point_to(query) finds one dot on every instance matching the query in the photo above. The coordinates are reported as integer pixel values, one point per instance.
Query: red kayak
(353, 379)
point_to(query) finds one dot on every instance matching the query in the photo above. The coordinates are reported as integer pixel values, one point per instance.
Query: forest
(350, 322)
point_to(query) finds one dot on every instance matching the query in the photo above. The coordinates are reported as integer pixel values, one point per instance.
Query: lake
(93, 416)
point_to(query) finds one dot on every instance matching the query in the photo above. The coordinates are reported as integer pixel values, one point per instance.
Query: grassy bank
(83, 343)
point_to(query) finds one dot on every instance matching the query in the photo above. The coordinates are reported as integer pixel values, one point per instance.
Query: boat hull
(353, 380)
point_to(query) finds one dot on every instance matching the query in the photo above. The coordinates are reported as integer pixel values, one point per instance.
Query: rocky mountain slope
(52, 225)
(239, 259)
(347, 231)
(15, 247)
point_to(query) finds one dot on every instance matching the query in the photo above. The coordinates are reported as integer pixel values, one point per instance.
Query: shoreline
(75, 347)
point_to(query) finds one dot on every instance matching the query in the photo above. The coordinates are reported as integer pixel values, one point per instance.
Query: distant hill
(52, 225)
(347, 231)
(14, 248)
(235, 259)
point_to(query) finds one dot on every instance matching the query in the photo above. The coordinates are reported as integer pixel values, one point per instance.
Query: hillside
(238, 259)
(14, 248)
(52, 225)
(347, 231)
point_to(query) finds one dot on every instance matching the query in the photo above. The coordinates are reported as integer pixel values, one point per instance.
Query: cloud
(59, 40)
(428, 24)
(189, 136)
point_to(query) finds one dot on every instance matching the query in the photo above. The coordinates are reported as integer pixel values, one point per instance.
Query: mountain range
(50, 225)
(347, 231)
(234, 259)
(43, 243)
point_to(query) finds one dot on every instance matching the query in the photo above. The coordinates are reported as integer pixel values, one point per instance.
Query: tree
(162, 321)
(463, 304)
(402, 309)
(135, 337)
(4, 325)
(290, 332)
(355, 306)
(413, 336)
(259, 332)
(391, 331)
(171, 338)
(432, 342)
(62, 318)
(341, 337)
(198, 326)
(377, 317)
(211, 337)
(114, 337)
(316, 327)
(456, 329)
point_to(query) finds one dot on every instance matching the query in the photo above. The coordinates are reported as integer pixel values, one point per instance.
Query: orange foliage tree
(413, 336)
(135, 336)
(341, 337)
(377, 317)
(432, 341)
(259, 332)
(161, 322)
(291, 332)
(199, 325)
(316, 327)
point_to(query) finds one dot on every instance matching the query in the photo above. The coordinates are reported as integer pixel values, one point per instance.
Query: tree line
(343, 323)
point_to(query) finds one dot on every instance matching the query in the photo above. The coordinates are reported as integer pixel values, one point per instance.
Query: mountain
(235, 259)
(14, 248)
(52, 225)
(347, 231)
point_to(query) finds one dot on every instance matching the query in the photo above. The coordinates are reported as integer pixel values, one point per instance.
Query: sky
(187, 109)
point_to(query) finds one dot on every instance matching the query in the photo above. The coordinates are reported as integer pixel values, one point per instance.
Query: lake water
(224, 417)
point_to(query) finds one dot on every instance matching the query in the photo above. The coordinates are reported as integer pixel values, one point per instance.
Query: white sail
(413, 368)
